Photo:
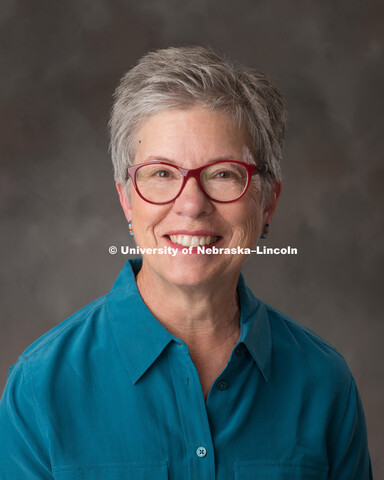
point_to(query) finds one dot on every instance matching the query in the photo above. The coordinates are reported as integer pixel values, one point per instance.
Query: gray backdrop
(60, 62)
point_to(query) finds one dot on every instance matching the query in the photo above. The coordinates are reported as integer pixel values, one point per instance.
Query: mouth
(193, 240)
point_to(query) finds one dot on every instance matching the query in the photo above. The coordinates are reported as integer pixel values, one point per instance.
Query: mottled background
(60, 62)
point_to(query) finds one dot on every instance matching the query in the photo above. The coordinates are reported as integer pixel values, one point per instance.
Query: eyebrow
(159, 158)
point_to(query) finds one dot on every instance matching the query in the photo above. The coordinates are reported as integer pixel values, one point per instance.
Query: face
(192, 138)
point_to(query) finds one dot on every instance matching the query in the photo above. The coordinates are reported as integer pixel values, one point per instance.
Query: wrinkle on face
(192, 138)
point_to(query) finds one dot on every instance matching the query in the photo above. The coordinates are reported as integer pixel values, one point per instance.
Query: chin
(196, 272)
(189, 279)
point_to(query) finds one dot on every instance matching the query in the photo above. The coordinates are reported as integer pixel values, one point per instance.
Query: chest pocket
(113, 471)
(294, 470)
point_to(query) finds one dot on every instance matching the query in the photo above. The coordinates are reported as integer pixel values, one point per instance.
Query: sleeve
(23, 446)
(349, 455)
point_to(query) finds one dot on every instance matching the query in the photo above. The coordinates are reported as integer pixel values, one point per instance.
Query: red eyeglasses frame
(252, 169)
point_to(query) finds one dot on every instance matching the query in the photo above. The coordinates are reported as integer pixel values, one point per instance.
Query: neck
(206, 315)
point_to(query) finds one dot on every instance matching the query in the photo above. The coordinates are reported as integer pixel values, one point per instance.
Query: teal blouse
(110, 394)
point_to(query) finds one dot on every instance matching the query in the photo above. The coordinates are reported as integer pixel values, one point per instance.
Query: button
(239, 350)
(222, 385)
(201, 452)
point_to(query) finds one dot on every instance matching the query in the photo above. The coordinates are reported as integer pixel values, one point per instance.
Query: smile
(192, 240)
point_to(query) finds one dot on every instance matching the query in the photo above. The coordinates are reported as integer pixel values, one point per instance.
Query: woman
(180, 372)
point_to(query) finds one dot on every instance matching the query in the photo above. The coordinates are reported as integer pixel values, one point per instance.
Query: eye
(224, 174)
(162, 173)
(158, 172)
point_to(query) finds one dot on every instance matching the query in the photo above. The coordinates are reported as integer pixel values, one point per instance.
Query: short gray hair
(187, 77)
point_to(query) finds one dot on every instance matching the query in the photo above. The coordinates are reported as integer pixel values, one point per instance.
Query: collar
(255, 328)
(140, 338)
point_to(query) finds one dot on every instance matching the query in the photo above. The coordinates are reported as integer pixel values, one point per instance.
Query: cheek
(146, 217)
(254, 212)
(246, 225)
(251, 228)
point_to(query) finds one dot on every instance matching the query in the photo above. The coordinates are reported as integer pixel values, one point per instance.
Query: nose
(192, 201)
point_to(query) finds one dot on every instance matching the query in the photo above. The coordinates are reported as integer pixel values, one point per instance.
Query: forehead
(197, 134)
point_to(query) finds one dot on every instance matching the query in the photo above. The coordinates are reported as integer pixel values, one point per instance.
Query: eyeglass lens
(160, 183)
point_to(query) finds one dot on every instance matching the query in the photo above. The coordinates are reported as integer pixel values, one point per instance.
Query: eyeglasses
(223, 181)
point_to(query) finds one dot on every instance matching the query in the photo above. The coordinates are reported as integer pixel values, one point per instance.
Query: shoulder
(306, 351)
(68, 335)
(298, 332)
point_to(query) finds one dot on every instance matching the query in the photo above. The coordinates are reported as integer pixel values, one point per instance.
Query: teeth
(192, 240)
(186, 241)
(195, 241)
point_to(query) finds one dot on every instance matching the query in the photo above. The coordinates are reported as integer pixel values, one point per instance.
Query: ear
(273, 199)
(125, 200)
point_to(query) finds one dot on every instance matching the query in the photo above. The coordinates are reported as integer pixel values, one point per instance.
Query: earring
(130, 229)
(265, 231)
